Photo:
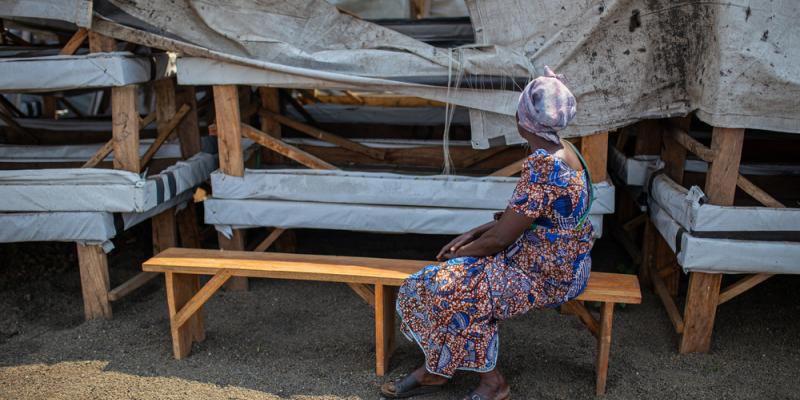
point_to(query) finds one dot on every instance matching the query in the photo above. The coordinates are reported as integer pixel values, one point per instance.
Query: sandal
(477, 396)
(407, 386)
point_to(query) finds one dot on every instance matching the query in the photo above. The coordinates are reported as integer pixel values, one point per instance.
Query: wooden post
(189, 129)
(180, 289)
(95, 283)
(384, 327)
(187, 227)
(703, 293)
(125, 129)
(648, 137)
(165, 234)
(270, 101)
(604, 347)
(165, 100)
(229, 134)
(101, 44)
(594, 149)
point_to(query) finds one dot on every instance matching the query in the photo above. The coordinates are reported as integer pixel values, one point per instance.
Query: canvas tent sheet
(733, 62)
(78, 12)
(94, 189)
(54, 73)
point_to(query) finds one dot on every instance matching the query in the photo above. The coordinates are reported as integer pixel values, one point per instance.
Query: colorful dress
(451, 309)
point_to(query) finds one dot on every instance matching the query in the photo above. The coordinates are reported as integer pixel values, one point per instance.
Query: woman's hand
(449, 249)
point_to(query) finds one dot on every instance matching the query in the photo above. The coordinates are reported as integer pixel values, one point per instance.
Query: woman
(534, 255)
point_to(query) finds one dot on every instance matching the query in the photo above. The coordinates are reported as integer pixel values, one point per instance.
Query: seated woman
(534, 255)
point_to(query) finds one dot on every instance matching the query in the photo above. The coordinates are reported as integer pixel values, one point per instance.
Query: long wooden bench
(185, 296)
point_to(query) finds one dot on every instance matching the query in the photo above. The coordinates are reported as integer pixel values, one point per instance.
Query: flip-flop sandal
(408, 386)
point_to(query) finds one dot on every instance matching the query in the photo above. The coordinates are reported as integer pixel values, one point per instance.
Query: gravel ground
(305, 340)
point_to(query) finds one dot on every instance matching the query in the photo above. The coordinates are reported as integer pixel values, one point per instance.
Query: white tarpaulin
(91, 227)
(734, 62)
(78, 12)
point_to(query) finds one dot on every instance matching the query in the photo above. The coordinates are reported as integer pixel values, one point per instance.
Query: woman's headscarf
(546, 106)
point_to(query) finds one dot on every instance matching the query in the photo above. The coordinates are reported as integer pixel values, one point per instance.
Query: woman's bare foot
(428, 379)
(416, 383)
(493, 386)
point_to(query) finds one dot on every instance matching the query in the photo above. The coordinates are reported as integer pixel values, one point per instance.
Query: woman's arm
(463, 240)
(504, 232)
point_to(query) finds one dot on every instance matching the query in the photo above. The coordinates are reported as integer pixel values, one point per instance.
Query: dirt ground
(301, 340)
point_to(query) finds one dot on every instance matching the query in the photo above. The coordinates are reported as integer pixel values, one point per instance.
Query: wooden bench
(185, 296)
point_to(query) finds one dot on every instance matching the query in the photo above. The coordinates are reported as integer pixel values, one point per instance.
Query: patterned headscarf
(546, 106)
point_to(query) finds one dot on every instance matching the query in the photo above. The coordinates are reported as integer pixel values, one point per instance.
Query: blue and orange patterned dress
(451, 309)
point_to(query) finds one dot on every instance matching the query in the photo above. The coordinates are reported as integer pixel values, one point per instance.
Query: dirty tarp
(734, 62)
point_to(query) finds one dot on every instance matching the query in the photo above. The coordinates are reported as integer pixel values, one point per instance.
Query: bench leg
(384, 327)
(180, 289)
(235, 243)
(95, 283)
(604, 347)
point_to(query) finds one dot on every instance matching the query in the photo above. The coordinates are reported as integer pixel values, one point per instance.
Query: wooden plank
(669, 303)
(229, 130)
(95, 283)
(604, 347)
(125, 128)
(689, 143)
(757, 193)
(165, 233)
(101, 44)
(180, 289)
(188, 129)
(476, 157)
(578, 309)
(100, 154)
(17, 134)
(648, 137)
(196, 302)
(722, 174)
(49, 106)
(701, 307)
(594, 149)
(130, 285)
(618, 288)
(673, 153)
(164, 90)
(187, 227)
(741, 286)
(384, 327)
(270, 239)
(510, 169)
(378, 154)
(74, 42)
(364, 291)
(164, 131)
(284, 148)
(270, 101)
(227, 245)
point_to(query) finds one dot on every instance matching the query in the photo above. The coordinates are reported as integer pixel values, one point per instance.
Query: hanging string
(450, 108)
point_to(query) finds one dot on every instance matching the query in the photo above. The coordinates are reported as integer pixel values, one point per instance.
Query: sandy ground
(301, 340)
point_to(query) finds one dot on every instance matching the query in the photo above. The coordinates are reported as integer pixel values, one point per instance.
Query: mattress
(102, 190)
(100, 70)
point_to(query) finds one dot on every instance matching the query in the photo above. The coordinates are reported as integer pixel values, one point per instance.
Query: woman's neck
(536, 142)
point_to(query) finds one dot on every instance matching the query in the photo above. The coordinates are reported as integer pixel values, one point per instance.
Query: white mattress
(105, 190)
(686, 208)
(86, 227)
(725, 255)
(100, 70)
(378, 188)
(229, 214)
(10, 153)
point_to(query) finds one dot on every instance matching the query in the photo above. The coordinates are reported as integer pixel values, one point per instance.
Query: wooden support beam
(165, 233)
(673, 153)
(188, 129)
(63, 100)
(271, 102)
(125, 128)
(741, 286)
(164, 131)
(594, 149)
(196, 302)
(666, 298)
(757, 193)
(101, 44)
(187, 227)
(95, 283)
(74, 42)
(269, 240)
(604, 347)
(164, 91)
(364, 291)
(49, 106)
(703, 293)
(576, 308)
(18, 134)
(100, 154)
(378, 154)
(648, 137)
(510, 169)
(689, 143)
(10, 108)
(130, 285)
(477, 156)
(147, 120)
(229, 130)
(284, 148)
